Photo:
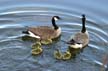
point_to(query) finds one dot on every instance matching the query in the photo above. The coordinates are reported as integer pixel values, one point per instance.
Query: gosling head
(36, 45)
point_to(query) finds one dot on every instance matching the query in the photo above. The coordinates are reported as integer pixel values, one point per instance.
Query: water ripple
(13, 22)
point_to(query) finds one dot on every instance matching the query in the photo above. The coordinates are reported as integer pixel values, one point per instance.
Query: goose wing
(81, 38)
(44, 32)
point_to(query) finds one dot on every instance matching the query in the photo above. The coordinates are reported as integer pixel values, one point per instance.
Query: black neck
(54, 24)
(83, 24)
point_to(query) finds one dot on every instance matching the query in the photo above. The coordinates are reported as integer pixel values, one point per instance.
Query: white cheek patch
(33, 35)
(55, 18)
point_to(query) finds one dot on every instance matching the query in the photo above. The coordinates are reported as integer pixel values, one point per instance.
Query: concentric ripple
(15, 54)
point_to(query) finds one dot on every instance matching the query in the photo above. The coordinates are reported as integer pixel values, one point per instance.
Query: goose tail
(25, 32)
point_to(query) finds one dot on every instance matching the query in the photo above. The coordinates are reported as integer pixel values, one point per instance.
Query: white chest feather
(58, 31)
(76, 46)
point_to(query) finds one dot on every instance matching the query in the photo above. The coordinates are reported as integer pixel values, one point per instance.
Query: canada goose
(36, 48)
(45, 32)
(67, 55)
(80, 39)
(57, 54)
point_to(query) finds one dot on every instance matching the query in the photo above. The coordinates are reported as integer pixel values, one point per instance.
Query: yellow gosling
(46, 42)
(67, 55)
(37, 51)
(36, 48)
(36, 45)
(57, 54)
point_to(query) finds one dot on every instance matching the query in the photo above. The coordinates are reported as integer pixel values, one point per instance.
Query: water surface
(15, 15)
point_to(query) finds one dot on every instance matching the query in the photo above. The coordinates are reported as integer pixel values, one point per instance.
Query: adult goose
(45, 32)
(80, 39)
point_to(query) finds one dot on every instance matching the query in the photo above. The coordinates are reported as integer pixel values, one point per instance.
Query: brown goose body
(45, 32)
(80, 39)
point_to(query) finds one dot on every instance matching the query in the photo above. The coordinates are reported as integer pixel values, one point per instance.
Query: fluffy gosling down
(57, 54)
(45, 32)
(47, 41)
(80, 39)
(36, 48)
(67, 55)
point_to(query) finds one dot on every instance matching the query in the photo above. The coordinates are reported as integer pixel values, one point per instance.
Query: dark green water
(15, 15)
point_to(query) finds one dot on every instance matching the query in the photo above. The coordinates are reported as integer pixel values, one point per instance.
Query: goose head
(55, 18)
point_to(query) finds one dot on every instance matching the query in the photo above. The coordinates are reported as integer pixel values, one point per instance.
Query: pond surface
(15, 15)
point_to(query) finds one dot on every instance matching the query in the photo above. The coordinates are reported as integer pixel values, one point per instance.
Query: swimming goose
(80, 39)
(36, 48)
(45, 32)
